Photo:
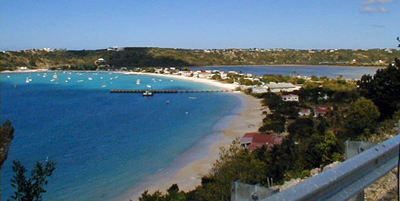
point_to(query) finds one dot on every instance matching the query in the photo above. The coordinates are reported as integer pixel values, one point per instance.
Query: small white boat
(8, 76)
(138, 81)
(66, 81)
(148, 86)
(104, 86)
(69, 78)
(116, 77)
(55, 76)
(192, 97)
(52, 80)
(172, 80)
(27, 80)
(111, 78)
(167, 102)
(90, 78)
(80, 80)
(101, 78)
(147, 93)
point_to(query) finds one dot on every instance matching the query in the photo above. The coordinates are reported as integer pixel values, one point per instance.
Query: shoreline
(269, 65)
(292, 65)
(193, 79)
(190, 166)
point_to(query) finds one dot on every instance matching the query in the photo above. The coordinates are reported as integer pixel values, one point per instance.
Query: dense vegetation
(31, 188)
(154, 57)
(312, 141)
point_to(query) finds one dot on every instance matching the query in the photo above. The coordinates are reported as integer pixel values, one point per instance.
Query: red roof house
(256, 140)
(321, 110)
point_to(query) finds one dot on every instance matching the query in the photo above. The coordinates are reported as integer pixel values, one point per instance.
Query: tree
(361, 118)
(301, 129)
(383, 89)
(273, 122)
(32, 188)
(272, 100)
(233, 164)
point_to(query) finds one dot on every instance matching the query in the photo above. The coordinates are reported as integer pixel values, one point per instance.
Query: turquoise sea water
(331, 72)
(104, 143)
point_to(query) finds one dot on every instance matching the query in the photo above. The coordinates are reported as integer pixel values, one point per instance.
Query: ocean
(105, 143)
(329, 71)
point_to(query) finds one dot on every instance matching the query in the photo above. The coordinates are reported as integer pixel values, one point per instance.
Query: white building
(282, 87)
(260, 90)
(290, 97)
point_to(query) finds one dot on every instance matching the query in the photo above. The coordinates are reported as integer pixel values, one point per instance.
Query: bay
(104, 143)
(319, 71)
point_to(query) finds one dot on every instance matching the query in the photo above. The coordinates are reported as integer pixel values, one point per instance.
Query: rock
(6, 136)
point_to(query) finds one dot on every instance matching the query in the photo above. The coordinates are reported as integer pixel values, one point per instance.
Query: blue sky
(199, 24)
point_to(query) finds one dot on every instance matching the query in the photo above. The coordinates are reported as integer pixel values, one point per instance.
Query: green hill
(155, 57)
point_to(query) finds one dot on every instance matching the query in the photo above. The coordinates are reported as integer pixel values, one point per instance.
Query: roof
(322, 107)
(290, 96)
(321, 111)
(302, 109)
(257, 140)
(274, 85)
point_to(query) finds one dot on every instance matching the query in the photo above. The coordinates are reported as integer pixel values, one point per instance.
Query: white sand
(187, 172)
(194, 79)
(188, 175)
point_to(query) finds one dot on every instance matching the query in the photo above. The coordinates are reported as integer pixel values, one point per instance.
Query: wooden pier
(168, 91)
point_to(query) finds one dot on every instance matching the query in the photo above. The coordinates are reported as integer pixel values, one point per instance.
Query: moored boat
(147, 93)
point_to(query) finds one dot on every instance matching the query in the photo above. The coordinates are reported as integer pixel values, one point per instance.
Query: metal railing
(349, 178)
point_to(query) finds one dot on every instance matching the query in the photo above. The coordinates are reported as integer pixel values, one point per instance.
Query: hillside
(144, 57)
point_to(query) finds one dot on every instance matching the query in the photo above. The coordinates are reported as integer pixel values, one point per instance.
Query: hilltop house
(290, 97)
(253, 141)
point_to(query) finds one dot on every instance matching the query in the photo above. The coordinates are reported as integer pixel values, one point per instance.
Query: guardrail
(349, 178)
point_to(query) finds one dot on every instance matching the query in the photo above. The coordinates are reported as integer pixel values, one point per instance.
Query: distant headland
(166, 57)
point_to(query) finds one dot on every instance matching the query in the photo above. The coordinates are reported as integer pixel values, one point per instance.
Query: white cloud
(368, 9)
(371, 2)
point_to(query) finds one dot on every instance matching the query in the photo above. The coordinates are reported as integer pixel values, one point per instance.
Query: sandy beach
(189, 167)
(194, 79)
(188, 170)
(188, 175)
